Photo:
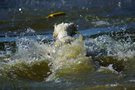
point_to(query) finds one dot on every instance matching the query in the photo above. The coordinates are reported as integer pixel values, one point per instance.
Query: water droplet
(20, 9)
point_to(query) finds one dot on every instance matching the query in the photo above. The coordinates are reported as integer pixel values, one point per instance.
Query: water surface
(104, 59)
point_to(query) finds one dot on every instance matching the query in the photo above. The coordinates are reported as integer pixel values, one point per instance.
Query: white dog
(64, 32)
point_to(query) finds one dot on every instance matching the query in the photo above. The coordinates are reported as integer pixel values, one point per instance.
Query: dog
(64, 32)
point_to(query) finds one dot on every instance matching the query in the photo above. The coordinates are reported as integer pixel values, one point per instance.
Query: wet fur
(64, 32)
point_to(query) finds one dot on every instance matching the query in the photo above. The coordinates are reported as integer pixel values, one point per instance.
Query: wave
(39, 61)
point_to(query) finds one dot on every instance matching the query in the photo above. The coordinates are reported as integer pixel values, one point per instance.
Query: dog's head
(70, 28)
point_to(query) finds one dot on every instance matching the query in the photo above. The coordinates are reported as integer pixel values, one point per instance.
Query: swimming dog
(64, 32)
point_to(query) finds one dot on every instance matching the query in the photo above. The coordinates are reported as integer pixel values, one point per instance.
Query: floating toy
(55, 14)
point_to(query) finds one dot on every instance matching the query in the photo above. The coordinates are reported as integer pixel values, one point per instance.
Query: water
(104, 59)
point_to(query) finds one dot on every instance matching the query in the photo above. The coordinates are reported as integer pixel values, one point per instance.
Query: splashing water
(39, 61)
(32, 56)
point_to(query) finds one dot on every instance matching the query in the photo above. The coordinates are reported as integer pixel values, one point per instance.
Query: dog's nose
(54, 35)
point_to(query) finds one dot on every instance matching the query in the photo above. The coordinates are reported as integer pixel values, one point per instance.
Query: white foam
(105, 45)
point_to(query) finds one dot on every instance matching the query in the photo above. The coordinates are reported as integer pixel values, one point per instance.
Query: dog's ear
(55, 25)
(74, 28)
(54, 33)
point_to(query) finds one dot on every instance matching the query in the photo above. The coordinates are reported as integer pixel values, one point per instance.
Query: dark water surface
(104, 59)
